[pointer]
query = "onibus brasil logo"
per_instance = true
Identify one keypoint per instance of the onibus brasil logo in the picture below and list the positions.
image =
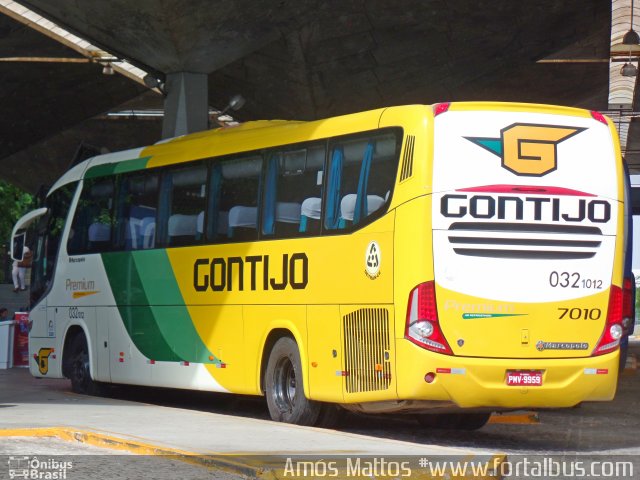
(527, 149)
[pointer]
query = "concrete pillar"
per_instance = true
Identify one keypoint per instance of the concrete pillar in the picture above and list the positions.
(186, 107)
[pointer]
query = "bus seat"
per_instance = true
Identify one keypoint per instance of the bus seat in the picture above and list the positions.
(148, 232)
(132, 233)
(288, 212)
(310, 208)
(374, 202)
(99, 232)
(223, 223)
(241, 216)
(182, 229)
(348, 205)
(200, 223)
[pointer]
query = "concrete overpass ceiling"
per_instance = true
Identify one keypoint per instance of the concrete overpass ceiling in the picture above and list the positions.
(178, 35)
(360, 55)
(42, 99)
(310, 59)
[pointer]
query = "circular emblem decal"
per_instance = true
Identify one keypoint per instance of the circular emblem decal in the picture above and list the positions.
(372, 260)
(540, 345)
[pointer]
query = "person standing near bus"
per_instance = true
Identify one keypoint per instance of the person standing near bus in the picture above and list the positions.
(20, 270)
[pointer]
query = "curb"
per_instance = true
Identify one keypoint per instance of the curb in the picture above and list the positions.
(139, 448)
(265, 471)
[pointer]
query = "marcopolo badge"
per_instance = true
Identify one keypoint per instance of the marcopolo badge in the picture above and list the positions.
(372, 260)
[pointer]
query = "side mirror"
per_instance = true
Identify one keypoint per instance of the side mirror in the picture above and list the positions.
(18, 239)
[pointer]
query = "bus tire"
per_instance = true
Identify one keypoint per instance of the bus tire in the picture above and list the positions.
(284, 388)
(331, 416)
(79, 368)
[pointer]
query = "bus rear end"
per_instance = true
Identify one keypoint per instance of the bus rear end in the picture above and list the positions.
(526, 303)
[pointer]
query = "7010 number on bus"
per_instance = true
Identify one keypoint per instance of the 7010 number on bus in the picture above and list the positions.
(580, 313)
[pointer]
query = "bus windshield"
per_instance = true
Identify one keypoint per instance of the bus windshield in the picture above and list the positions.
(47, 242)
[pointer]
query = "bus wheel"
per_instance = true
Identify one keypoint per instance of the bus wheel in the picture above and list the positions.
(78, 369)
(284, 389)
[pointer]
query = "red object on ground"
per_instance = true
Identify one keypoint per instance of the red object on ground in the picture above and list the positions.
(21, 340)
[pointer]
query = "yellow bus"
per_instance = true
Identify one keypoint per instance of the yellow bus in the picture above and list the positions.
(441, 261)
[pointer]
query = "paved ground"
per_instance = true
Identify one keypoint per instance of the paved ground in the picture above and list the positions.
(175, 425)
(29, 402)
(213, 423)
(85, 462)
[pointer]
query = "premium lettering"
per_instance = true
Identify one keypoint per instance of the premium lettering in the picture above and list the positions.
(252, 272)
(537, 208)
(74, 285)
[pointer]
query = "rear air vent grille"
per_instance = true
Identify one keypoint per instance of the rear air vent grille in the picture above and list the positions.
(366, 344)
(524, 240)
(407, 160)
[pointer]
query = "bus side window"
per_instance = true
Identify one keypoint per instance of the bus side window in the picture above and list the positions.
(136, 211)
(91, 227)
(291, 181)
(232, 211)
(361, 174)
(182, 200)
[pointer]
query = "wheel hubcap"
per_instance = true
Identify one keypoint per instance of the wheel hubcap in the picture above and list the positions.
(285, 385)
(81, 368)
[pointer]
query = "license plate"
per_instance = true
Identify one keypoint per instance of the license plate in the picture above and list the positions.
(524, 378)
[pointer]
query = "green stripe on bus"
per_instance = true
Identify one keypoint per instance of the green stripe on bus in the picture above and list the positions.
(125, 166)
(100, 171)
(160, 285)
(132, 165)
(142, 326)
(132, 302)
(178, 330)
(161, 288)
(150, 301)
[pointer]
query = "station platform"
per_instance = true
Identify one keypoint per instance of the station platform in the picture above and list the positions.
(43, 408)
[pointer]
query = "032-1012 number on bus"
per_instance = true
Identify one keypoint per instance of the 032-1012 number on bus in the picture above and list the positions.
(573, 280)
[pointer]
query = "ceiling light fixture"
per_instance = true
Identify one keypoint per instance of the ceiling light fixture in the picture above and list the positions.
(629, 70)
(631, 37)
(107, 69)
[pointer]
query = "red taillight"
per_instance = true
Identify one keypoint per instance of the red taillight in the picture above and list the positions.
(440, 108)
(610, 338)
(599, 117)
(423, 327)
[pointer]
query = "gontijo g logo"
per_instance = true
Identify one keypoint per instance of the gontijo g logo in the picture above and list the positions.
(528, 149)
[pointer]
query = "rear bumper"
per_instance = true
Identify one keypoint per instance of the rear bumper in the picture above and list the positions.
(481, 382)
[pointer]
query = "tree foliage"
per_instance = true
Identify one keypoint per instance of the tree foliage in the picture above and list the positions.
(14, 203)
